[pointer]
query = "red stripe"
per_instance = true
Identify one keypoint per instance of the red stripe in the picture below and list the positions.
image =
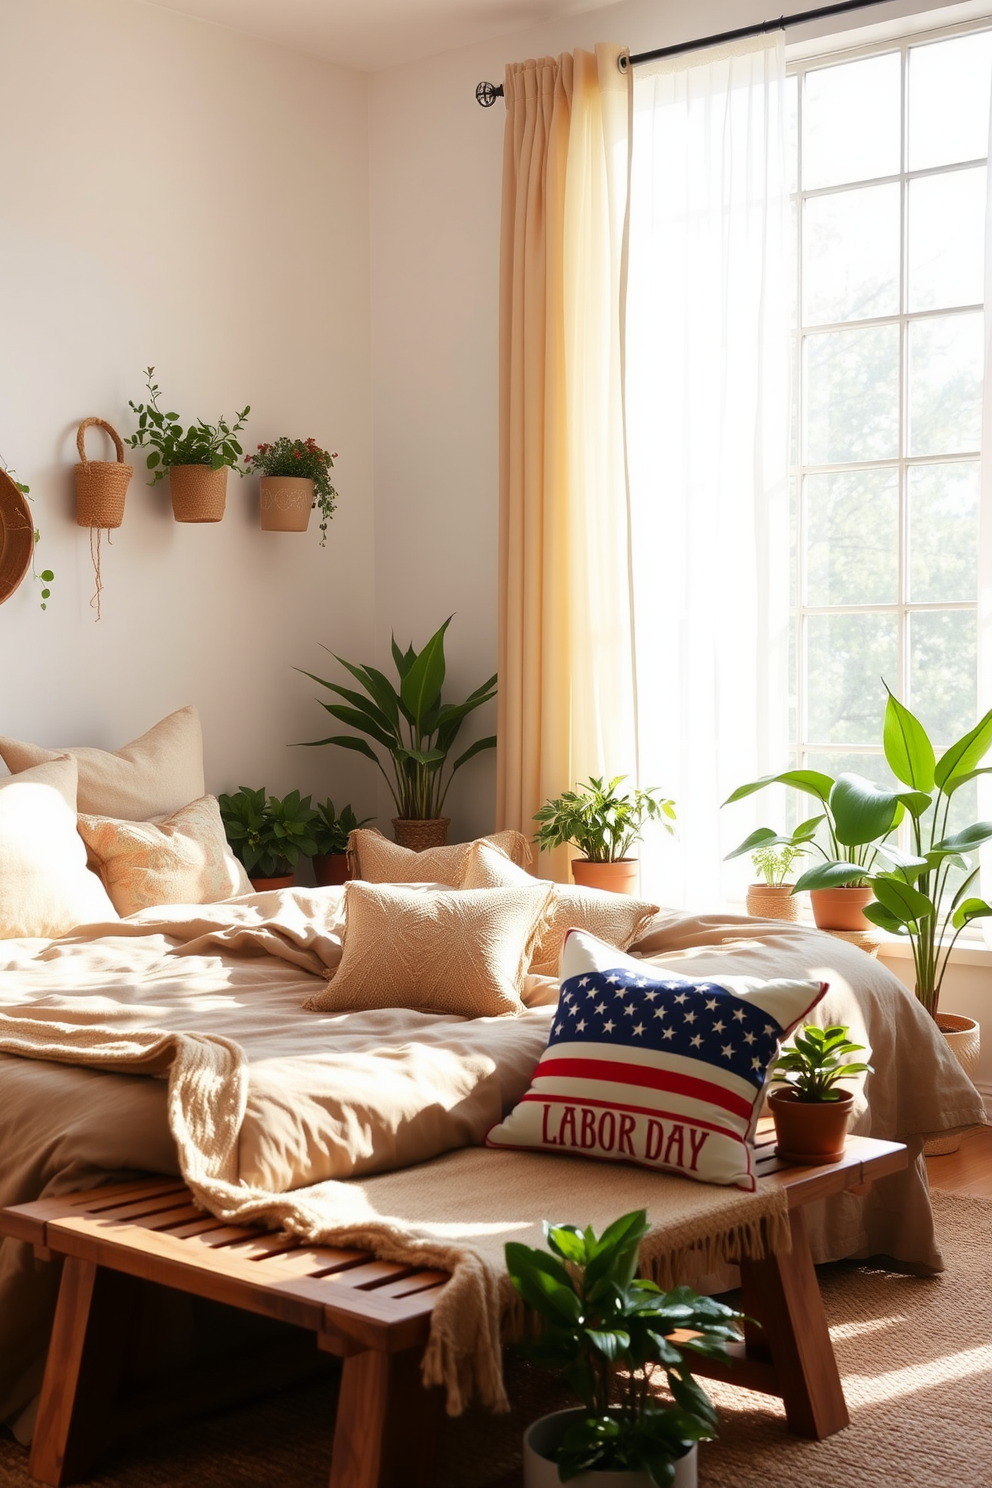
(679, 1116)
(690, 1086)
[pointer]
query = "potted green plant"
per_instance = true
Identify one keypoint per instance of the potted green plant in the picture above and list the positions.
(416, 730)
(268, 835)
(603, 824)
(611, 1333)
(196, 459)
(18, 538)
(294, 480)
(810, 1111)
(772, 898)
(330, 830)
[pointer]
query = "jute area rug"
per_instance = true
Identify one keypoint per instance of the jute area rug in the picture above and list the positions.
(915, 1356)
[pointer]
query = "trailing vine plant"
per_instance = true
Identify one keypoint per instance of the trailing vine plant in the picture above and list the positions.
(46, 577)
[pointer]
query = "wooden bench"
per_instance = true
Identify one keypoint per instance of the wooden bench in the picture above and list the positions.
(375, 1315)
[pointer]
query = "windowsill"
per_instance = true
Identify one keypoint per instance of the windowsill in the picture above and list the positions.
(965, 953)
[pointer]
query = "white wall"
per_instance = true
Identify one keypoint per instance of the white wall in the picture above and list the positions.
(177, 194)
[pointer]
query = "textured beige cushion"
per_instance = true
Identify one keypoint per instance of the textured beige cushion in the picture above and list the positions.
(378, 860)
(182, 860)
(46, 888)
(616, 918)
(461, 951)
(151, 776)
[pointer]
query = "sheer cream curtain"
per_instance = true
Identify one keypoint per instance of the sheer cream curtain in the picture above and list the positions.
(566, 697)
(985, 558)
(707, 424)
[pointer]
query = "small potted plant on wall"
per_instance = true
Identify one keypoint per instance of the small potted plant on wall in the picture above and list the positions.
(611, 1333)
(294, 480)
(330, 830)
(268, 835)
(196, 459)
(810, 1112)
(604, 825)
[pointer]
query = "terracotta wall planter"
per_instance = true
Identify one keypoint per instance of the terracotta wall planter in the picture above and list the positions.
(199, 494)
(286, 502)
(330, 869)
(618, 878)
(772, 902)
(841, 909)
(419, 835)
(809, 1132)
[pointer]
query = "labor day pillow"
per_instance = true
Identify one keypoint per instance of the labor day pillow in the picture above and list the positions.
(653, 1068)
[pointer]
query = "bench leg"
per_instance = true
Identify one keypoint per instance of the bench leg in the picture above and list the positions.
(387, 1423)
(782, 1292)
(82, 1372)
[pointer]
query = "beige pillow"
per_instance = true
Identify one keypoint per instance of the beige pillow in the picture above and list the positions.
(182, 860)
(377, 860)
(46, 888)
(461, 951)
(151, 776)
(616, 918)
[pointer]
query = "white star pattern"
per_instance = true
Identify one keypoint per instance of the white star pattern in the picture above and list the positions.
(696, 1040)
(689, 1017)
(719, 1026)
(580, 1026)
(583, 981)
(566, 997)
(756, 1064)
(612, 978)
(739, 1014)
(642, 983)
(681, 997)
(659, 1012)
(609, 1026)
(650, 996)
(727, 1050)
(558, 1027)
(769, 1029)
(620, 992)
(638, 1030)
(629, 1009)
(749, 1038)
(711, 1004)
(600, 1007)
(668, 1033)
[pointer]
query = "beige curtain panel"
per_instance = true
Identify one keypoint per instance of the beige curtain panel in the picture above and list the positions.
(566, 699)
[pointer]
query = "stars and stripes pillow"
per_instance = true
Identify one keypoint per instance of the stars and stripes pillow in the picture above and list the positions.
(649, 1067)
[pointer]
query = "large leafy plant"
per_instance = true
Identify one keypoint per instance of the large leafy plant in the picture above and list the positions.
(600, 821)
(170, 444)
(610, 1332)
(411, 723)
(330, 829)
(815, 1059)
(268, 834)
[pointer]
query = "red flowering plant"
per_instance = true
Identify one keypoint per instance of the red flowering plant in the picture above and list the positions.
(305, 459)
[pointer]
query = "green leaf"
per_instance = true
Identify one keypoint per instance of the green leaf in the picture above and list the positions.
(420, 689)
(901, 899)
(907, 748)
(345, 741)
(829, 876)
(971, 909)
(862, 812)
(361, 722)
(480, 744)
(962, 757)
(811, 781)
(915, 802)
(966, 839)
(760, 837)
(567, 1242)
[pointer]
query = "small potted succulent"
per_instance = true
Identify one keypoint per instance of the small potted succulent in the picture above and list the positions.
(604, 825)
(612, 1334)
(771, 898)
(810, 1111)
(294, 480)
(196, 459)
(330, 830)
(268, 835)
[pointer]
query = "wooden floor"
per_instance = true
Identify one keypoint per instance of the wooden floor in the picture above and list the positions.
(967, 1171)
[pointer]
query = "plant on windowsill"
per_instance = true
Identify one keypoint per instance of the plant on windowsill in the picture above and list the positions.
(294, 480)
(195, 459)
(810, 1111)
(610, 1332)
(416, 729)
(772, 898)
(330, 830)
(268, 835)
(604, 825)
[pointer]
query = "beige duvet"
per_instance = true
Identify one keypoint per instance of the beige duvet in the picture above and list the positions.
(330, 1096)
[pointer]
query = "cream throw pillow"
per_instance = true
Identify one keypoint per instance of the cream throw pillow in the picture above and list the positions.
(183, 860)
(377, 860)
(46, 888)
(460, 951)
(151, 776)
(618, 919)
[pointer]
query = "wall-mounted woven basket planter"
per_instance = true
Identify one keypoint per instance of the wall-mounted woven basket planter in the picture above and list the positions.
(101, 485)
(286, 502)
(16, 536)
(199, 494)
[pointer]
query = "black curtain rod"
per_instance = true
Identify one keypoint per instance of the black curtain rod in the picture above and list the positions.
(487, 93)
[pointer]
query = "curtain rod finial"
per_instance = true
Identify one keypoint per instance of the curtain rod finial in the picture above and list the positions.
(486, 94)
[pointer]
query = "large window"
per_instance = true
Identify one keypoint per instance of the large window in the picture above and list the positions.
(890, 152)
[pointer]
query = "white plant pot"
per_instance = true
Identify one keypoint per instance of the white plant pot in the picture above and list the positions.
(541, 1470)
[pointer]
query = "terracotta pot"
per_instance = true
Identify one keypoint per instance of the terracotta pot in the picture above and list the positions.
(841, 909)
(810, 1133)
(618, 878)
(330, 869)
(263, 885)
(419, 835)
(286, 502)
(541, 1441)
(199, 494)
(964, 1039)
(772, 902)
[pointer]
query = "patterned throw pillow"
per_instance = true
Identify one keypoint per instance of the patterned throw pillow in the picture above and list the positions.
(377, 860)
(461, 951)
(183, 860)
(618, 919)
(648, 1067)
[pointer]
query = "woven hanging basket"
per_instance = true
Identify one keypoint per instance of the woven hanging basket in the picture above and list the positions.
(101, 485)
(199, 494)
(420, 835)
